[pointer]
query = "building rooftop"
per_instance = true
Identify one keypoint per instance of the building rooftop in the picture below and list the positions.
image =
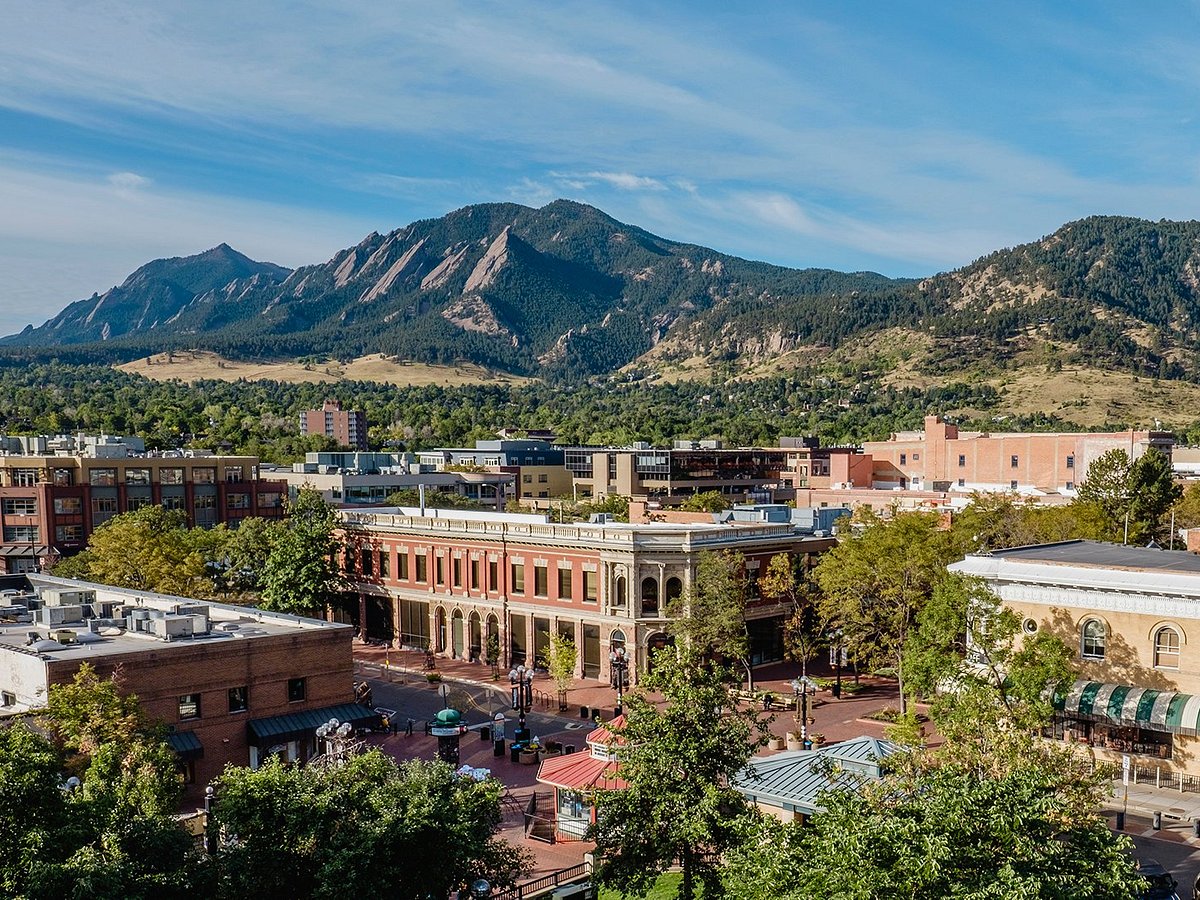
(58, 618)
(1101, 555)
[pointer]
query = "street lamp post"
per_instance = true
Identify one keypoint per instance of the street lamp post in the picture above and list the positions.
(835, 659)
(618, 665)
(802, 687)
(521, 681)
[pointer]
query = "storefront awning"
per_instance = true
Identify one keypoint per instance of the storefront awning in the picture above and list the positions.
(1123, 704)
(186, 744)
(274, 729)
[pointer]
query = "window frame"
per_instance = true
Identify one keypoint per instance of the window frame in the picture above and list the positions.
(1092, 646)
(245, 699)
(192, 701)
(297, 689)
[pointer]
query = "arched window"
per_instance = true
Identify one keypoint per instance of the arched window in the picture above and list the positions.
(674, 589)
(1094, 637)
(649, 597)
(619, 592)
(1166, 648)
(616, 639)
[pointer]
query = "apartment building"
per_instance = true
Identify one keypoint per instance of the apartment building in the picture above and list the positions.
(232, 684)
(346, 426)
(535, 465)
(642, 472)
(52, 500)
(1132, 617)
(449, 579)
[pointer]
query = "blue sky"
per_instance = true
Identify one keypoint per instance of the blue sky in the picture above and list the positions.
(902, 138)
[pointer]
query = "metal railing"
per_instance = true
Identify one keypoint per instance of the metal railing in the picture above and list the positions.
(546, 883)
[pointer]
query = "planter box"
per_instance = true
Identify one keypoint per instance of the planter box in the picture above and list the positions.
(775, 744)
(794, 743)
(529, 757)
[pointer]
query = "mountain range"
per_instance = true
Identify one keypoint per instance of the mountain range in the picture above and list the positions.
(566, 291)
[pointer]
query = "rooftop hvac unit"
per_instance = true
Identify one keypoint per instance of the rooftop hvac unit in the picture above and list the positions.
(172, 627)
(62, 597)
(59, 615)
(600, 518)
(63, 636)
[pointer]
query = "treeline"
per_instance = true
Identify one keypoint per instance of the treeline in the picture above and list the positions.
(261, 417)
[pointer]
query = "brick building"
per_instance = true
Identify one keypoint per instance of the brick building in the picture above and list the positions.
(448, 579)
(234, 685)
(51, 502)
(346, 426)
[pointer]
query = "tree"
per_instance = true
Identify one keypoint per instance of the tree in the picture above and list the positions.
(802, 630)
(677, 757)
(710, 615)
(1154, 491)
(706, 501)
(947, 830)
(114, 836)
(150, 549)
(877, 580)
(1106, 485)
(969, 655)
(239, 555)
(559, 658)
(302, 574)
(366, 828)
(1187, 509)
(435, 499)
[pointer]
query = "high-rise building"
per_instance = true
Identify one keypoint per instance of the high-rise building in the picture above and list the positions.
(346, 426)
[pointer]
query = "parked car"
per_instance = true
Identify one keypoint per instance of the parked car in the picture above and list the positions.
(1162, 883)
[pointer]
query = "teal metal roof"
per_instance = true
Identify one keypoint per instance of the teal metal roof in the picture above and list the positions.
(304, 722)
(186, 744)
(795, 779)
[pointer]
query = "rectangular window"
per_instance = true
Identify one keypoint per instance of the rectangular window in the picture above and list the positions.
(239, 699)
(270, 500)
(422, 568)
(385, 564)
(962, 482)
(1070, 462)
(233, 475)
(63, 477)
(64, 534)
(137, 476)
(204, 475)
(543, 478)
(526, 479)
(962, 460)
(474, 574)
(68, 506)
(172, 502)
(916, 456)
(566, 584)
(20, 506)
(518, 578)
(205, 501)
(541, 581)
(24, 477)
(591, 587)
(1013, 462)
(189, 706)
(493, 575)
(1012, 485)
(170, 476)
(904, 459)
(439, 564)
(402, 565)
(237, 501)
(367, 561)
(297, 690)
(8, 699)
(102, 477)
(20, 534)
(135, 503)
(103, 505)
(456, 571)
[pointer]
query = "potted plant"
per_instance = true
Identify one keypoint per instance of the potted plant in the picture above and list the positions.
(795, 740)
(775, 743)
(817, 738)
(553, 748)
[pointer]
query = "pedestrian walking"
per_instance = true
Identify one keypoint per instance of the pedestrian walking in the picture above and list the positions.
(408, 728)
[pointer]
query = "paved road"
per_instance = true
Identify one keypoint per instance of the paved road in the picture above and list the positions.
(1180, 858)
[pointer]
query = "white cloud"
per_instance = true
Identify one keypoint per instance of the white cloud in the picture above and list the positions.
(627, 181)
(127, 181)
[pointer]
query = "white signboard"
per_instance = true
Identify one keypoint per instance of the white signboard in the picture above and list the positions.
(1125, 769)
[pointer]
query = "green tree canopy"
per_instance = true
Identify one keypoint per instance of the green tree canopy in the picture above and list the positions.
(677, 757)
(434, 499)
(877, 580)
(706, 501)
(302, 574)
(710, 616)
(368, 828)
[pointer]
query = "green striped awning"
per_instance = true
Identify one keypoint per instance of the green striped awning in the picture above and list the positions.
(1124, 704)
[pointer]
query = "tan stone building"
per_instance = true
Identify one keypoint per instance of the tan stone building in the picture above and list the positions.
(1132, 616)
